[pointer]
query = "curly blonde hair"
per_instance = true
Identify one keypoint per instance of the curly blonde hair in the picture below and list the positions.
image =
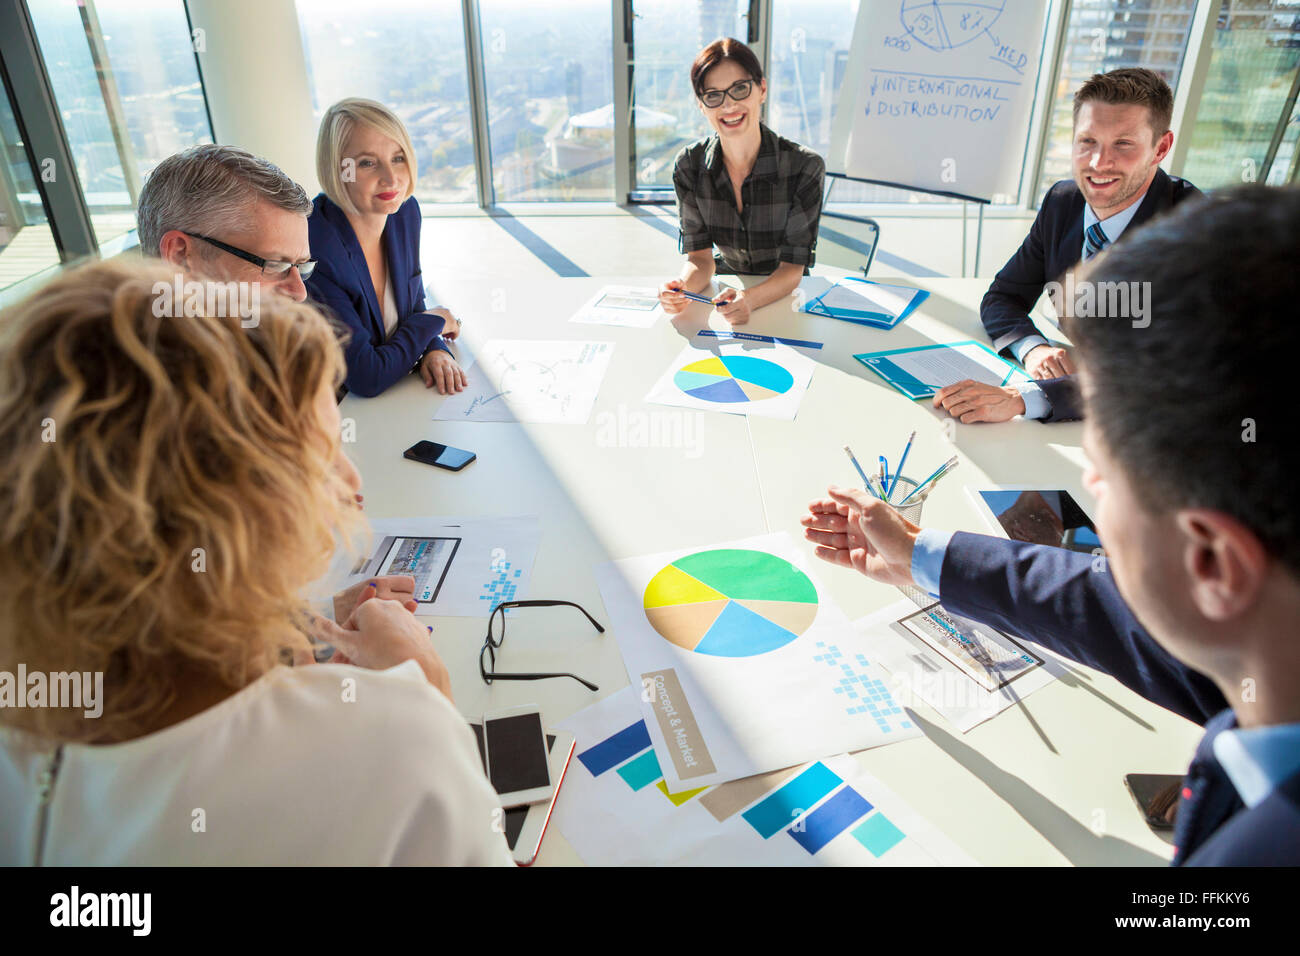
(130, 440)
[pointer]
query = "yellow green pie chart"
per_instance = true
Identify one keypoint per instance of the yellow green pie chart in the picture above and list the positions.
(730, 602)
(733, 378)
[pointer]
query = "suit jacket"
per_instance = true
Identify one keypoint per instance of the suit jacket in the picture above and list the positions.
(1055, 598)
(341, 283)
(1054, 246)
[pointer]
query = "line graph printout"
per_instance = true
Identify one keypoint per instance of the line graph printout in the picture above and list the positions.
(965, 670)
(541, 382)
(628, 306)
(984, 654)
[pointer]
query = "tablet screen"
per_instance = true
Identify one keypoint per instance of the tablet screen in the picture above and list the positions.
(1043, 517)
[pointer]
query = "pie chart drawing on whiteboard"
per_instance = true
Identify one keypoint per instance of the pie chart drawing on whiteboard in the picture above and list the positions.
(733, 378)
(730, 602)
(948, 24)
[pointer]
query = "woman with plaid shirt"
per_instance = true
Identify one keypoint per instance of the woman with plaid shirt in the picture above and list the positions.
(755, 195)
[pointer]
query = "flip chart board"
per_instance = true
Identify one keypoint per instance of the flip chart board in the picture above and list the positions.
(938, 94)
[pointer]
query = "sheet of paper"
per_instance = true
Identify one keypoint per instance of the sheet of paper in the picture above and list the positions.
(530, 381)
(463, 567)
(736, 376)
(966, 671)
(939, 368)
(627, 306)
(750, 667)
(615, 808)
(869, 297)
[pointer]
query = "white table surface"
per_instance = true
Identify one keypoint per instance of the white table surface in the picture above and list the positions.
(1041, 783)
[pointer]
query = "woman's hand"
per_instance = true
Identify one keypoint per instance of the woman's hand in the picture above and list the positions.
(440, 369)
(388, 587)
(671, 298)
(450, 324)
(382, 634)
(732, 306)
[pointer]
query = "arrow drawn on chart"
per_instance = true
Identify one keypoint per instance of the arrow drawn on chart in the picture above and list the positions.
(480, 402)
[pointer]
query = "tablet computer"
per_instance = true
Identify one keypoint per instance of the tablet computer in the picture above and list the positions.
(1048, 516)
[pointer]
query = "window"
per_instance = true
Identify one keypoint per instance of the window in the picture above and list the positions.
(668, 36)
(810, 47)
(1105, 35)
(26, 241)
(548, 69)
(128, 91)
(1248, 99)
(411, 59)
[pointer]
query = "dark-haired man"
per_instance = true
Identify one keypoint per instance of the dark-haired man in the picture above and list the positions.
(1121, 135)
(1190, 450)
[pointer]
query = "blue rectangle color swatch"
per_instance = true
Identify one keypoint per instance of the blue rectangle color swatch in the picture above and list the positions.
(779, 809)
(830, 819)
(642, 771)
(878, 834)
(612, 751)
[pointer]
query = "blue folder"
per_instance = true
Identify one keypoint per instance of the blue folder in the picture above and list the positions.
(869, 313)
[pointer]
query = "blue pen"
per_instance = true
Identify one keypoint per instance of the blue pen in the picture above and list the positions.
(884, 475)
(696, 298)
(901, 462)
(865, 480)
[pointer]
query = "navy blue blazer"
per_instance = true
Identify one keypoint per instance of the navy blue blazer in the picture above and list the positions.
(1053, 247)
(341, 283)
(1053, 597)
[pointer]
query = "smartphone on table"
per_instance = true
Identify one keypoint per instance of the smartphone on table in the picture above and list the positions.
(1155, 794)
(439, 455)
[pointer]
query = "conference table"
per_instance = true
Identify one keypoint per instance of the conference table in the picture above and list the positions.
(1039, 784)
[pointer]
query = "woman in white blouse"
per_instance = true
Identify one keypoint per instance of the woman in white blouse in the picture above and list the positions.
(170, 485)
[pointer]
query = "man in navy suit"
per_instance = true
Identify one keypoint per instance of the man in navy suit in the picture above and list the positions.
(1190, 445)
(1121, 135)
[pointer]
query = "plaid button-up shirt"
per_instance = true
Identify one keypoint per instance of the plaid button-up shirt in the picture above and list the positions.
(782, 199)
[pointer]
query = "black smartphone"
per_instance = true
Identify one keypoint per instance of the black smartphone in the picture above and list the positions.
(440, 456)
(1155, 794)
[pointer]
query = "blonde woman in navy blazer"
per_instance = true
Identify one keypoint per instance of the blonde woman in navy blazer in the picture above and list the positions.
(365, 235)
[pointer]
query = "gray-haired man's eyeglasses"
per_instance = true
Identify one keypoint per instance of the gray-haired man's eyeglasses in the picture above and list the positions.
(271, 268)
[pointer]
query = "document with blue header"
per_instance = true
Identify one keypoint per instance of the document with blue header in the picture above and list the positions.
(920, 372)
(866, 302)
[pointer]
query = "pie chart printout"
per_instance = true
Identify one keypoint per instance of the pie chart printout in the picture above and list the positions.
(730, 602)
(733, 378)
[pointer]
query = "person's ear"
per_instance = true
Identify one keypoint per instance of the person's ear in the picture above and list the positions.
(1226, 564)
(1165, 144)
(177, 248)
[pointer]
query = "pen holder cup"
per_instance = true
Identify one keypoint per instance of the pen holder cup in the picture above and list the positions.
(912, 512)
(903, 487)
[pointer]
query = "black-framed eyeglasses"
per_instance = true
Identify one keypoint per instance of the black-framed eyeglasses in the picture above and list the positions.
(738, 91)
(487, 658)
(271, 268)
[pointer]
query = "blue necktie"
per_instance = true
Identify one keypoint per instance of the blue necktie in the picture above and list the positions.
(1094, 240)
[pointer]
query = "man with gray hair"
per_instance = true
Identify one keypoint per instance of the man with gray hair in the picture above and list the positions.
(221, 212)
